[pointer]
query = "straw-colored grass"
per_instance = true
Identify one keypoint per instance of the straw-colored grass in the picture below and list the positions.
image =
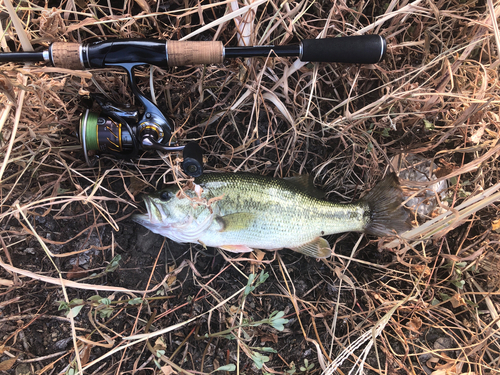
(426, 303)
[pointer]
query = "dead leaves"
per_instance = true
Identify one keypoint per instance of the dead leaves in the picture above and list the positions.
(450, 367)
(457, 300)
(414, 324)
(7, 365)
(495, 225)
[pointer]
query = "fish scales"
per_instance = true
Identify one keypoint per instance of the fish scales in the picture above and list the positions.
(251, 211)
(282, 210)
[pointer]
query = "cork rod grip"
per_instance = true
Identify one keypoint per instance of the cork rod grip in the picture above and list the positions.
(66, 55)
(194, 53)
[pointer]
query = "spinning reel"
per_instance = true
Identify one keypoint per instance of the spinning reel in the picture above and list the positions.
(125, 132)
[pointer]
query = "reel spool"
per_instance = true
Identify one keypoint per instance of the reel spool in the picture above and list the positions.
(105, 134)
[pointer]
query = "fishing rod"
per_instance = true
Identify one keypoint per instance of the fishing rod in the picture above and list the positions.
(125, 131)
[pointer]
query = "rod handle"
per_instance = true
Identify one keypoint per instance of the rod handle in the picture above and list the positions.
(181, 53)
(66, 55)
(362, 49)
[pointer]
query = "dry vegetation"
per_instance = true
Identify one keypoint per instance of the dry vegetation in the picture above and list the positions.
(427, 304)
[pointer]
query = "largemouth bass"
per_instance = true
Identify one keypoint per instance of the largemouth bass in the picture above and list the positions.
(240, 212)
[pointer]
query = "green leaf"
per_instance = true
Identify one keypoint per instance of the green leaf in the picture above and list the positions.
(276, 320)
(251, 278)
(470, 303)
(263, 277)
(229, 367)
(267, 349)
(76, 301)
(248, 289)
(276, 314)
(444, 296)
(369, 148)
(458, 283)
(307, 366)
(279, 324)
(63, 306)
(113, 265)
(259, 359)
(428, 125)
(74, 311)
(157, 363)
(246, 335)
(135, 301)
(96, 298)
(106, 312)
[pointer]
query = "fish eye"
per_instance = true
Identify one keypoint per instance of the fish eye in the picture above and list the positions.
(165, 196)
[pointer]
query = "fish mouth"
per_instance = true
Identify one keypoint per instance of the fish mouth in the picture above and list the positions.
(154, 215)
(141, 218)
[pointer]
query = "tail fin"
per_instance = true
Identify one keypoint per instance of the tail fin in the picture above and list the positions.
(387, 215)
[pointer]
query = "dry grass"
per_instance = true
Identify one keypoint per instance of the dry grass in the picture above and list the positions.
(426, 304)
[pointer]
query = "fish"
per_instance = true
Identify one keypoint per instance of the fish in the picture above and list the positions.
(240, 212)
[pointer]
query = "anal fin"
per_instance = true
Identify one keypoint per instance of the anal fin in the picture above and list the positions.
(317, 248)
(236, 248)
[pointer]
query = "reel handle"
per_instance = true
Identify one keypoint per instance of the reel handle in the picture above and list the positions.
(193, 159)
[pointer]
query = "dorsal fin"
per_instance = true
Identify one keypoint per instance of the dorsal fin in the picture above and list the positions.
(305, 183)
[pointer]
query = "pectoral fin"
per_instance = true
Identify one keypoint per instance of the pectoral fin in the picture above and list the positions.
(236, 248)
(317, 248)
(236, 221)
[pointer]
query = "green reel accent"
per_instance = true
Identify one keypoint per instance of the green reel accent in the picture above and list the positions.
(88, 130)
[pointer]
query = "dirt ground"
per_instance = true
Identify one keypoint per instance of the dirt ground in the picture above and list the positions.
(84, 288)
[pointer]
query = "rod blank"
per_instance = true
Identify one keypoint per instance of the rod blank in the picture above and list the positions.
(21, 57)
